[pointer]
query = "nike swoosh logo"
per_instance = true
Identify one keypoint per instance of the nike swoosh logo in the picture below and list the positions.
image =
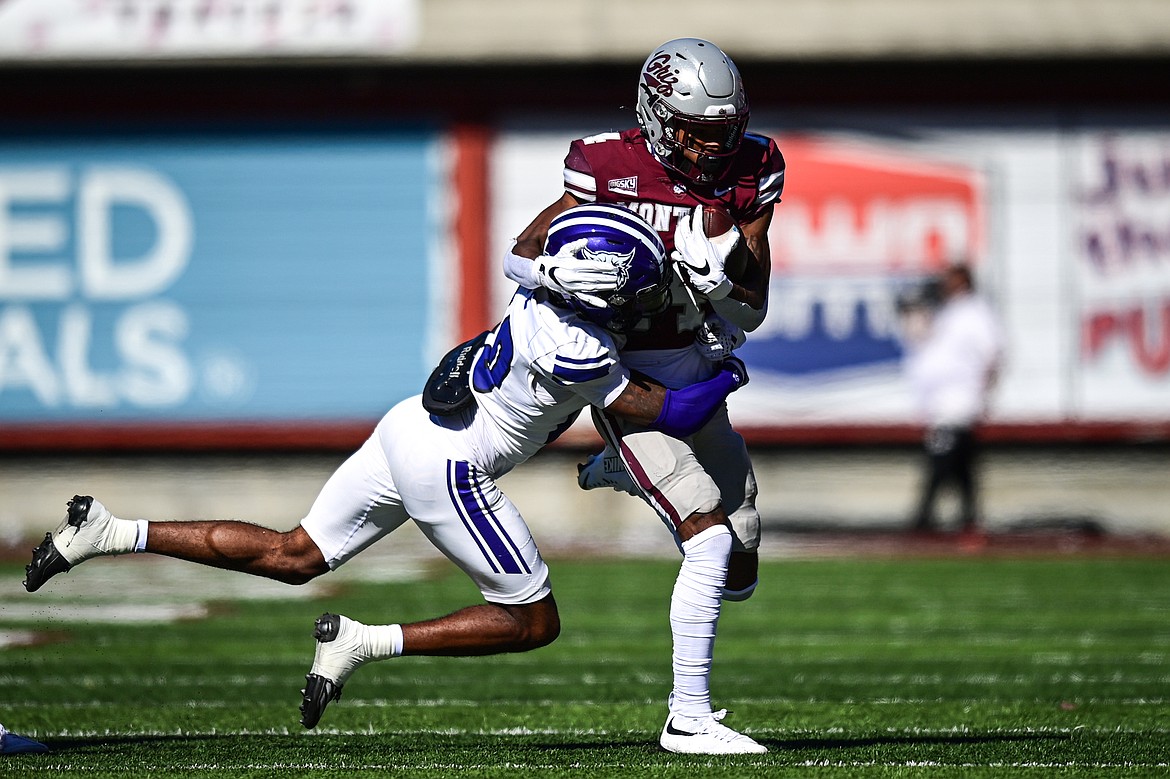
(702, 270)
(672, 730)
(722, 192)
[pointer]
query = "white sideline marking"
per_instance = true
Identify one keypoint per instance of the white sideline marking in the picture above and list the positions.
(16, 638)
(104, 612)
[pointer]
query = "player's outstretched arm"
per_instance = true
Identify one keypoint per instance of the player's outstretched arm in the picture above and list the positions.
(678, 413)
(526, 264)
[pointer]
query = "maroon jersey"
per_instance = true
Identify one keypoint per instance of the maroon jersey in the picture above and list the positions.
(619, 168)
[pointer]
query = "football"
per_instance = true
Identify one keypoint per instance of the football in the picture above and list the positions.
(717, 222)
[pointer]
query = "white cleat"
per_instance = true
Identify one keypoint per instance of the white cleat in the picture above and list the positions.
(706, 737)
(605, 469)
(339, 653)
(88, 530)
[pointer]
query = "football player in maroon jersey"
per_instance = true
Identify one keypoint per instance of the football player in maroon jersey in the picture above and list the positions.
(690, 150)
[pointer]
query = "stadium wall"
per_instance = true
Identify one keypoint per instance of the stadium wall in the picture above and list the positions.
(215, 259)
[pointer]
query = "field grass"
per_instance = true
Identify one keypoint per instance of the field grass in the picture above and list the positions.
(965, 667)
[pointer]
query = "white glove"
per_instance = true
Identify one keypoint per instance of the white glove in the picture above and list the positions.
(700, 258)
(717, 338)
(580, 277)
(605, 469)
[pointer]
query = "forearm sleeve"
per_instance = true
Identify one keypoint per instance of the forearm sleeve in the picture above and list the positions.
(520, 269)
(686, 410)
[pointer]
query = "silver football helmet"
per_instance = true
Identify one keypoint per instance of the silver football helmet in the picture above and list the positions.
(691, 99)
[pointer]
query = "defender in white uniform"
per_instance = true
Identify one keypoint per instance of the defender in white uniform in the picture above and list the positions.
(549, 357)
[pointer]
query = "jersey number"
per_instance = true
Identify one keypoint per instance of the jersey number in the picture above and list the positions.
(495, 361)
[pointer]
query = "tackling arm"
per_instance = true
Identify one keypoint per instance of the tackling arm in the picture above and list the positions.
(678, 413)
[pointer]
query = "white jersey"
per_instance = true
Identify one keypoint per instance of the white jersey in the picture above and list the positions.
(538, 369)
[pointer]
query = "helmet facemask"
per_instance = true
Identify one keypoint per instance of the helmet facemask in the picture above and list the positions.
(699, 147)
(628, 311)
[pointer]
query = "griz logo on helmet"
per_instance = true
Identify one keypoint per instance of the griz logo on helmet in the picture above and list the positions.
(658, 75)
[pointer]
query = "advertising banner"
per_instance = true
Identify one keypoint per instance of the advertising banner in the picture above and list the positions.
(201, 29)
(1065, 228)
(1121, 208)
(216, 277)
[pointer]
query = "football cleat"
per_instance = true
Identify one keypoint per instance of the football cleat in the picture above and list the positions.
(706, 737)
(339, 653)
(605, 469)
(85, 532)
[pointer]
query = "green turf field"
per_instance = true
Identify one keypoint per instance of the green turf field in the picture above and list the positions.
(908, 667)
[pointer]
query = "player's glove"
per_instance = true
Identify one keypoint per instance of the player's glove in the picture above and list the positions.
(717, 338)
(605, 469)
(702, 259)
(736, 368)
(575, 276)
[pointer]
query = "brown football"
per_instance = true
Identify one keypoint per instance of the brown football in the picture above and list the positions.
(717, 221)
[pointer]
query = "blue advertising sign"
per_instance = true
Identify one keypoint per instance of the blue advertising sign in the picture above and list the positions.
(220, 277)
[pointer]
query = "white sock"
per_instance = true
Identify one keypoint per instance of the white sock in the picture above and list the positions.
(694, 615)
(120, 537)
(140, 540)
(382, 642)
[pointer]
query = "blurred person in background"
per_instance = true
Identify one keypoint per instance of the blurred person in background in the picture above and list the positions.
(491, 404)
(690, 150)
(954, 350)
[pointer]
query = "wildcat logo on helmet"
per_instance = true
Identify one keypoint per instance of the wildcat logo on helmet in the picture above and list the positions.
(621, 263)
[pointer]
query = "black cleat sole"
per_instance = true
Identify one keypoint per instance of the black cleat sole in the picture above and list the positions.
(318, 694)
(46, 563)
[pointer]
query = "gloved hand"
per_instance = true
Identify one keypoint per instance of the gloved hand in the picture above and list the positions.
(736, 368)
(717, 338)
(576, 276)
(605, 469)
(701, 259)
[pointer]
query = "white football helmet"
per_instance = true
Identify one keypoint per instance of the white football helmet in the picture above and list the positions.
(691, 98)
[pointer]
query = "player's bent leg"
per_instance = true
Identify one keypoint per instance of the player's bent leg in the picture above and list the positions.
(88, 530)
(486, 629)
(723, 455)
(344, 645)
